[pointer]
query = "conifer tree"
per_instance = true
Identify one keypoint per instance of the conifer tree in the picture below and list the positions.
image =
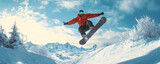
(15, 38)
(3, 37)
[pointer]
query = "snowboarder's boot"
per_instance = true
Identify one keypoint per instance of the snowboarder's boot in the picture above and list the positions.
(84, 37)
(90, 24)
(91, 27)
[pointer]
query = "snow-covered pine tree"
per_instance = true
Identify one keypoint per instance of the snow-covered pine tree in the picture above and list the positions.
(3, 37)
(15, 40)
(1, 32)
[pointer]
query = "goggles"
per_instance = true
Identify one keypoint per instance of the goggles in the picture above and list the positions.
(80, 12)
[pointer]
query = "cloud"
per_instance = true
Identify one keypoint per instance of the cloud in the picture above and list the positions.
(129, 6)
(30, 23)
(68, 4)
(16, 0)
(25, 2)
(113, 17)
(56, 21)
(123, 28)
(109, 34)
(41, 7)
(57, 10)
(60, 4)
(43, 4)
(33, 24)
(104, 37)
(95, 2)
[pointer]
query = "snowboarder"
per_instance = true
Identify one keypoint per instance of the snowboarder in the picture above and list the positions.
(84, 23)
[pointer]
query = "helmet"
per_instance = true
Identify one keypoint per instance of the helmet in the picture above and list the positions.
(81, 11)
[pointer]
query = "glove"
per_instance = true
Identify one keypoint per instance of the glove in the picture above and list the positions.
(102, 13)
(65, 23)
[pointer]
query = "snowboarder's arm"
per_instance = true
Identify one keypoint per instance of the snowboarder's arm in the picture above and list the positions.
(73, 21)
(65, 23)
(94, 15)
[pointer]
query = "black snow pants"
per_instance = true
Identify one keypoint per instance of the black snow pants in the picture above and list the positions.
(85, 27)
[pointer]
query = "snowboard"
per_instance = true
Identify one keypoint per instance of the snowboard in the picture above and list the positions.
(93, 30)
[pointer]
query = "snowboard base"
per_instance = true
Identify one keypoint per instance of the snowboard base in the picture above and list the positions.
(95, 28)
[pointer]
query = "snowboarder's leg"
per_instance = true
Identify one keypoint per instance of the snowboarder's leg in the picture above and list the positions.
(83, 29)
(89, 24)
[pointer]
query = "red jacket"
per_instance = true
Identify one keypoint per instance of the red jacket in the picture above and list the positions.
(82, 19)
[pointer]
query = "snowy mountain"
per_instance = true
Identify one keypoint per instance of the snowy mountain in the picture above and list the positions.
(22, 56)
(62, 53)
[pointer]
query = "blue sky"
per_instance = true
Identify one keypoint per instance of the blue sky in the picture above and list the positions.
(51, 14)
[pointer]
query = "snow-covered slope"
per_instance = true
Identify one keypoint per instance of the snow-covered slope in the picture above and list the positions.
(22, 56)
(125, 53)
(141, 45)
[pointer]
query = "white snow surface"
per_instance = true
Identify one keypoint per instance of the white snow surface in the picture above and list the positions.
(126, 53)
(22, 56)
